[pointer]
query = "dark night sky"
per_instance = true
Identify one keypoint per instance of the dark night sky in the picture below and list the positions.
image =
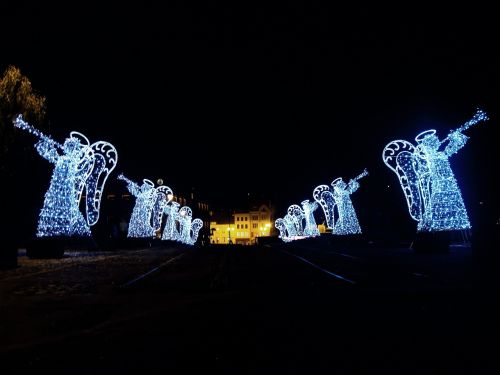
(284, 98)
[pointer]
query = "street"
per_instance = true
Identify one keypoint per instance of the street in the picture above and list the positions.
(280, 308)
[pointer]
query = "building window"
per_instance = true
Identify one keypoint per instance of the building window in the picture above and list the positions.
(254, 225)
(246, 226)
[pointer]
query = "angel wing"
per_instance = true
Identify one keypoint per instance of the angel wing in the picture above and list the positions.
(106, 157)
(324, 197)
(399, 156)
(196, 225)
(83, 170)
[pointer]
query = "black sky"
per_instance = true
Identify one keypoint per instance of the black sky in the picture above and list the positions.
(282, 98)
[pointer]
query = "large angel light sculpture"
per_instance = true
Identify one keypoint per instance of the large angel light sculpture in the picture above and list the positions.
(337, 200)
(142, 223)
(78, 164)
(429, 185)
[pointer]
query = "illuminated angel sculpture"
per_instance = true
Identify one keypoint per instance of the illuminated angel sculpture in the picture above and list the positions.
(185, 216)
(291, 228)
(347, 222)
(180, 225)
(297, 215)
(170, 232)
(337, 199)
(428, 182)
(188, 228)
(311, 228)
(141, 220)
(281, 226)
(287, 228)
(78, 164)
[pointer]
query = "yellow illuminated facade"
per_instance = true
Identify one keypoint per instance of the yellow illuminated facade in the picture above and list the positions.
(244, 229)
(322, 228)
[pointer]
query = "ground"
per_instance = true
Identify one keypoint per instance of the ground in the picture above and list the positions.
(297, 308)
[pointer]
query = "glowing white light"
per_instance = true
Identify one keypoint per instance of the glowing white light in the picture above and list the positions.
(429, 185)
(77, 165)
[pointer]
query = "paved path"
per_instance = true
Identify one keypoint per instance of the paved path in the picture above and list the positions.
(247, 310)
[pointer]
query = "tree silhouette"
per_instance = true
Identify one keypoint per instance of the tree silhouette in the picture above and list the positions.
(16, 96)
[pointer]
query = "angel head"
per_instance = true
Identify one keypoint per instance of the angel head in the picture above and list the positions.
(428, 139)
(338, 183)
(146, 185)
(71, 145)
(76, 142)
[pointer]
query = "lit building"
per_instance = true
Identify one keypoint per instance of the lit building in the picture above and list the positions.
(244, 228)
